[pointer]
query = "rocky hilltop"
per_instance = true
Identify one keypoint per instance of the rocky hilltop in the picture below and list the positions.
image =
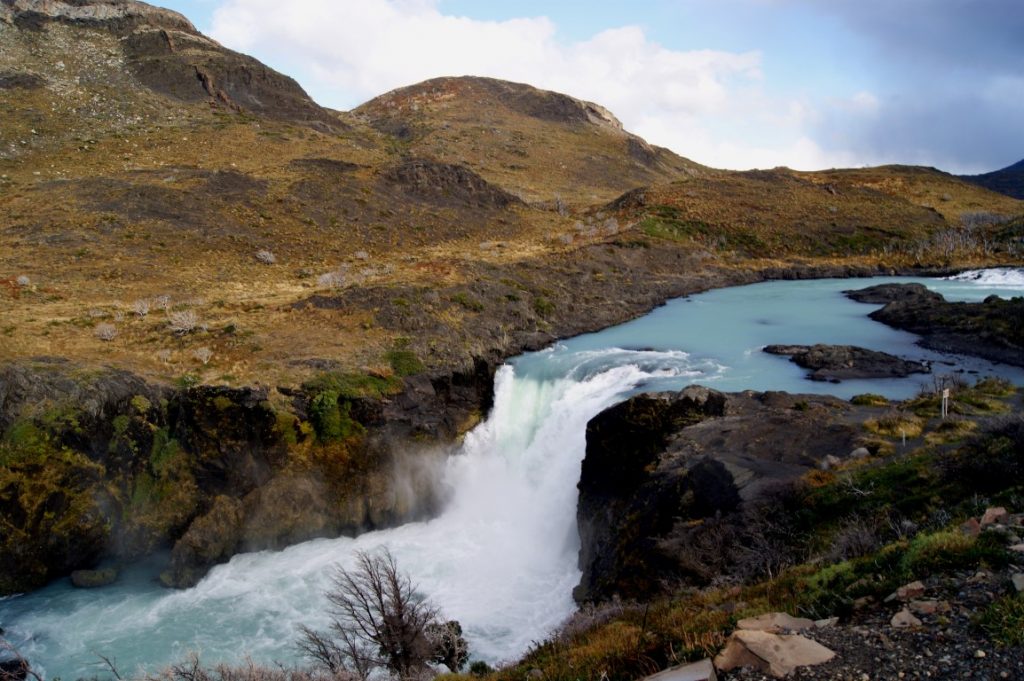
(197, 261)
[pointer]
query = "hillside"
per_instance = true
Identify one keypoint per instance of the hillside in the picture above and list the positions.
(1008, 180)
(154, 166)
(543, 146)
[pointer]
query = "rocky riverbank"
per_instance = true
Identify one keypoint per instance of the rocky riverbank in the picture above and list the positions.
(993, 329)
(101, 466)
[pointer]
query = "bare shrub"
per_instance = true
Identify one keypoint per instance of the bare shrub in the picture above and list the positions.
(361, 255)
(96, 313)
(162, 302)
(164, 356)
(183, 322)
(266, 257)
(380, 622)
(23, 280)
(857, 537)
(193, 670)
(204, 355)
(141, 307)
(119, 316)
(335, 279)
(105, 332)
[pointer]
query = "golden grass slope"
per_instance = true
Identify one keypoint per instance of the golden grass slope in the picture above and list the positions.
(422, 217)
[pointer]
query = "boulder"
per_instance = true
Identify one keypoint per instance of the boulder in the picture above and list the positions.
(928, 607)
(887, 293)
(904, 619)
(1018, 581)
(695, 671)
(775, 654)
(907, 592)
(993, 515)
(775, 622)
(90, 579)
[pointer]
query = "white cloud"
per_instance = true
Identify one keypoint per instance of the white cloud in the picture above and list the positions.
(704, 104)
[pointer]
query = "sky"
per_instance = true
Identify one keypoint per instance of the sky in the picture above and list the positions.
(739, 84)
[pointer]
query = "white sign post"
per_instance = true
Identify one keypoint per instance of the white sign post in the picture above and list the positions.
(945, 402)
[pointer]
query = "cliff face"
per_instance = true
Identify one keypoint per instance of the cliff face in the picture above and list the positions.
(100, 465)
(674, 487)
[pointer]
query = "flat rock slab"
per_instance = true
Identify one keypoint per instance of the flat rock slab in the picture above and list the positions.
(839, 362)
(775, 654)
(696, 671)
(775, 622)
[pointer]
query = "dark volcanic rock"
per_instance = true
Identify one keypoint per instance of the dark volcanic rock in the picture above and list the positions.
(841, 362)
(887, 293)
(664, 472)
(993, 329)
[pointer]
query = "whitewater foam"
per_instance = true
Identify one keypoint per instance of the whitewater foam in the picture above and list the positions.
(1000, 277)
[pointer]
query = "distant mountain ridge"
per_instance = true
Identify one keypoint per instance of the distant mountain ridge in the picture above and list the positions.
(1008, 180)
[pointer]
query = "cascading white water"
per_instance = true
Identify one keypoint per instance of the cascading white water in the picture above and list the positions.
(501, 557)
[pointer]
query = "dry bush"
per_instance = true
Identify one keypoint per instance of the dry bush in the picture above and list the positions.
(164, 356)
(857, 537)
(105, 332)
(380, 622)
(23, 280)
(193, 670)
(204, 355)
(162, 302)
(266, 257)
(183, 322)
(333, 280)
(141, 307)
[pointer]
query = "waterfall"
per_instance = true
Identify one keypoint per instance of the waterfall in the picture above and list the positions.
(500, 558)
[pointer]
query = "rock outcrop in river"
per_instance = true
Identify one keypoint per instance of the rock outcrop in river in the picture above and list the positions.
(993, 329)
(842, 362)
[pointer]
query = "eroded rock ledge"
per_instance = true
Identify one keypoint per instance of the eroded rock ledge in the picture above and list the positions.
(665, 472)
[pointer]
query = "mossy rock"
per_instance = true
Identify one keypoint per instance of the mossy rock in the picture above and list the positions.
(92, 579)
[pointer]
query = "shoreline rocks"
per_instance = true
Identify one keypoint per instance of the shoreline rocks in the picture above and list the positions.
(992, 329)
